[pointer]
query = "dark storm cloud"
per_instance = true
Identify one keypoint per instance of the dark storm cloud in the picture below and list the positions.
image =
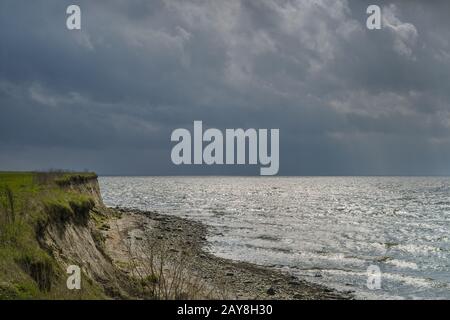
(347, 100)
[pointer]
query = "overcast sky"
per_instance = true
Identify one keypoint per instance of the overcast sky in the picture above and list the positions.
(347, 100)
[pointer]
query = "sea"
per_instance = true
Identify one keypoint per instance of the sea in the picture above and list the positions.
(379, 237)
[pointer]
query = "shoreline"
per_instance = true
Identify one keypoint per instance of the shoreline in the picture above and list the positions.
(168, 254)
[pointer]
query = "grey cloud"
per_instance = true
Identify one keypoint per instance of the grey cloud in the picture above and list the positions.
(347, 100)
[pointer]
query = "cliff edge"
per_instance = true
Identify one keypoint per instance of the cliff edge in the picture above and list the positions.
(48, 222)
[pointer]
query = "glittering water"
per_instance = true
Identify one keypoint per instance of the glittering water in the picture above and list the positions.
(325, 229)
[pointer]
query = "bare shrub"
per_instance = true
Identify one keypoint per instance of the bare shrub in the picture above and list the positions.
(163, 273)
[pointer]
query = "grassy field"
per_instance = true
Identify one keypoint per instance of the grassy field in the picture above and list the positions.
(28, 202)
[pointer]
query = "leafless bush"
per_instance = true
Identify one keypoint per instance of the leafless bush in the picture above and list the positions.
(163, 273)
(167, 275)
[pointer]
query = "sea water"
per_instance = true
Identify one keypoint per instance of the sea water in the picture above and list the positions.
(327, 230)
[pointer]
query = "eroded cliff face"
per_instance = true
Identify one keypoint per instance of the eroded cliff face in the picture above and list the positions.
(79, 241)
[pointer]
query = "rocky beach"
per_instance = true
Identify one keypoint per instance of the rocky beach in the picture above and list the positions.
(135, 236)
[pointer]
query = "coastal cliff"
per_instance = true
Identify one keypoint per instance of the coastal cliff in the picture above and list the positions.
(50, 221)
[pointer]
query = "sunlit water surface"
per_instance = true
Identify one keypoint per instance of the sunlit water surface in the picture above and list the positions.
(325, 229)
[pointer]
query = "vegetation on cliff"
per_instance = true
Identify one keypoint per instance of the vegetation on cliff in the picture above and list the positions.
(29, 202)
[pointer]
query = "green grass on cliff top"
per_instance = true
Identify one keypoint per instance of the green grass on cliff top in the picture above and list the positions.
(29, 201)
